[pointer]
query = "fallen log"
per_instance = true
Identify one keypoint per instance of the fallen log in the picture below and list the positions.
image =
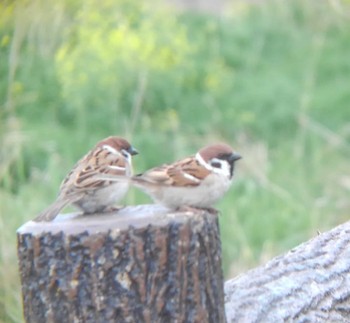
(310, 283)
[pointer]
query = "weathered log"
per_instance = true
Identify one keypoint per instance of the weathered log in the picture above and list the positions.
(310, 283)
(142, 264)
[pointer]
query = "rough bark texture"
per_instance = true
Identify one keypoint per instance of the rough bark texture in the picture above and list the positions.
(310, 283)
(139, 265)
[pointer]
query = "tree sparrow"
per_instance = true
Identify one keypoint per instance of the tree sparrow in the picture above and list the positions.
(197, 181)
(83, 188)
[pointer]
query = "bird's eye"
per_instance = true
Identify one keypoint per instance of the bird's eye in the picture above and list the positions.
(216, 164)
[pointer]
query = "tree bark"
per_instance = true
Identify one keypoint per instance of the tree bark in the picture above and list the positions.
(310, 283)
(142, 264)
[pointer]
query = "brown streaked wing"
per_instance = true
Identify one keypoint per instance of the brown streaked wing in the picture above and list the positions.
(175, 174)
(100, 162)
(69, 181)
(156, 175)
(113, 165)
(190, 166)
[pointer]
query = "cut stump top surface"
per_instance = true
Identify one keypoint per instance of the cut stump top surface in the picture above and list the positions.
(135, 216)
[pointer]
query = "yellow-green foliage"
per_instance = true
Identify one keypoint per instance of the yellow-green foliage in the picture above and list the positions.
(109, 44)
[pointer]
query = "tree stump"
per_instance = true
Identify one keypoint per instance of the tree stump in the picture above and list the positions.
(142, 264)
(310, 283)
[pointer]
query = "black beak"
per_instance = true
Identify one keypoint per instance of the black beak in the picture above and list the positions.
(234, 157)
(132, 151)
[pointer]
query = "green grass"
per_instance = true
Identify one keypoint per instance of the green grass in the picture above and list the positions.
(270, 79)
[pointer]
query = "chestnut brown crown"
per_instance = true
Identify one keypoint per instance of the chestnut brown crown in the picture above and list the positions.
(119, 144)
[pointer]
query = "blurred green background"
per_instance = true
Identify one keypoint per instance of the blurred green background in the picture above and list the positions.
(271, 78)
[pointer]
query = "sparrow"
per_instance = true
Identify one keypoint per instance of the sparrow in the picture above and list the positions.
(82, 186)
(197, 181)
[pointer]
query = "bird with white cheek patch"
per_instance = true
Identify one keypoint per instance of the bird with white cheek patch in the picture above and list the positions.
(83, 188)
(196, 181)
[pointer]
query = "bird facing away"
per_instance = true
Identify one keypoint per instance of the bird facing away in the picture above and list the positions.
(82, 186)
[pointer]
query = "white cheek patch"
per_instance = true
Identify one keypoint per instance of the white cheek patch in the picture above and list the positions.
(111, 149)
(224, 168)
(128, 156)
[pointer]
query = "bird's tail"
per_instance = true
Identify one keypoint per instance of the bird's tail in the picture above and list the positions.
(52, 211)
(136, 180)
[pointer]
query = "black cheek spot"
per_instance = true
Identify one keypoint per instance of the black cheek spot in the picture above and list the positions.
(217, 165)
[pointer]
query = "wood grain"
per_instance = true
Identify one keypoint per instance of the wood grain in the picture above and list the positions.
(310, 283)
